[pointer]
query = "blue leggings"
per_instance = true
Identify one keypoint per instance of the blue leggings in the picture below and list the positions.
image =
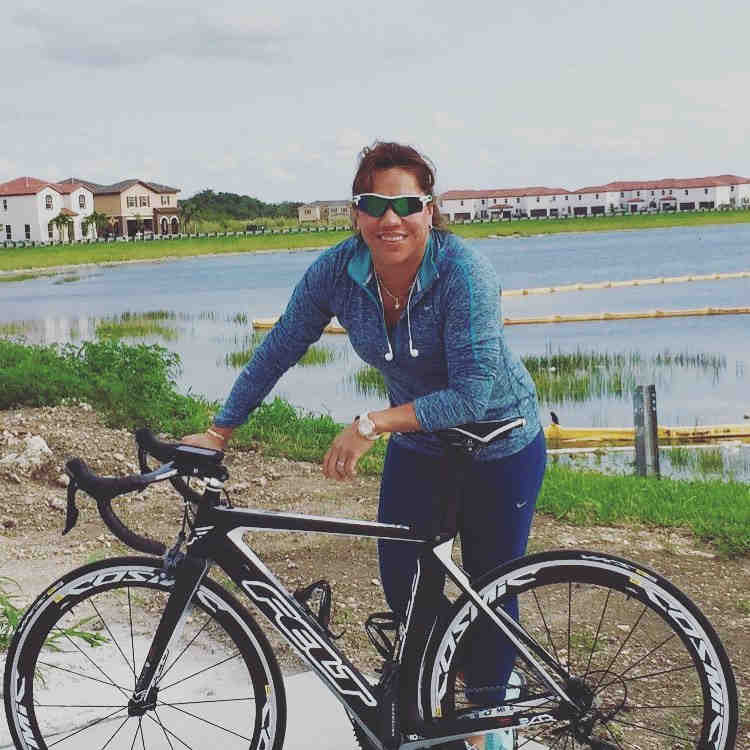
(499, 498)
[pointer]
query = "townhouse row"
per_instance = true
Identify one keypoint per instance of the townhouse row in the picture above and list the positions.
(30, 207)
(689, 194)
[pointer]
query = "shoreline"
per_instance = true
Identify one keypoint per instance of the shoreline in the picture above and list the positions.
(456, 229)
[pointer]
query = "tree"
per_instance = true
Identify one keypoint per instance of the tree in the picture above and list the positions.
(98, 220)
(189, 214)
(62, 222)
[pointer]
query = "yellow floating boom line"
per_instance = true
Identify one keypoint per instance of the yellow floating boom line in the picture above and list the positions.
(582, 286)
(558, 436)
(335, 327)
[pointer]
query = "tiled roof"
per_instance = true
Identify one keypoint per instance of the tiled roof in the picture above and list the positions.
(617, 186)
(452, 195)
(27, 186)
(118, 187)
(67, 212)
(32, 185)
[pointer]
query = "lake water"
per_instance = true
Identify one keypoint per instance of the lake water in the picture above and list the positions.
(211, 297)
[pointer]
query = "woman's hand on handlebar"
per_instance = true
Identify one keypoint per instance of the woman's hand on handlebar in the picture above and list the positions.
(340, 461)
(214, 438)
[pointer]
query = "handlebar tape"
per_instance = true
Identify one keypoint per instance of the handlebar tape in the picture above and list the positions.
(103, 490)
(162, 451)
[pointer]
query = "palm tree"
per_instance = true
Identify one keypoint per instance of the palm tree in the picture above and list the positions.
(189, 214)
(98, 219)
(62, 222)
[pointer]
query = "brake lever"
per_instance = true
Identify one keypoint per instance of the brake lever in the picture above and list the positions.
(71, 512)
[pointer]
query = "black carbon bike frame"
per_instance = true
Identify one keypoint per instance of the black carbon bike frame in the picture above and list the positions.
(217, 537)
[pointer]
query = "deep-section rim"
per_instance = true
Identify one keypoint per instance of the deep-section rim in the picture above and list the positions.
(644, 584)
(148, 572)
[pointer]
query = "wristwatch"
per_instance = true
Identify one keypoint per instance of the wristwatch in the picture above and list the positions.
(366, 427)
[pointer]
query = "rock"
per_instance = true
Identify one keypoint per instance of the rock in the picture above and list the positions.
(260, 481)
(35, 455)
(63, 480)
(9, 523)
(56, 503)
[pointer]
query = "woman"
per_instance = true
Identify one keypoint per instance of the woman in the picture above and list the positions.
(424, 309)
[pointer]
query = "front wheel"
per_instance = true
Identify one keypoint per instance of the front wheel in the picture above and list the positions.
(73, 662)
(642, 663)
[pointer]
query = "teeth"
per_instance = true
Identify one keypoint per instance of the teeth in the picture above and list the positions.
(392, 236)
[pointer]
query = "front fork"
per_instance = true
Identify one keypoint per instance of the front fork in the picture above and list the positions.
(188, 577)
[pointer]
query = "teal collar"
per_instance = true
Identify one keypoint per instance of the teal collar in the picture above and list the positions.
(360, 269)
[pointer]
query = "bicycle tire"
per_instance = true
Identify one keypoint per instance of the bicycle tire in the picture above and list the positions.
(73, 661)
(639, 651)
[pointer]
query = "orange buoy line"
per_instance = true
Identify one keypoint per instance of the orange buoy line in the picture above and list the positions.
(335, 327)
(582, 286)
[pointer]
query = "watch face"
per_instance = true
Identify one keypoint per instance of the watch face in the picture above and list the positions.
(365, 426)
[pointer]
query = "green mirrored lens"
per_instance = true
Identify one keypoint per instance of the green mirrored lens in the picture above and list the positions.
(373, 205)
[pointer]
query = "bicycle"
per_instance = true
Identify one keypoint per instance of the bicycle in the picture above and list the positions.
(152, 652)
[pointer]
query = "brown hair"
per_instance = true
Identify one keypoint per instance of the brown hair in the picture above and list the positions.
(385, 155)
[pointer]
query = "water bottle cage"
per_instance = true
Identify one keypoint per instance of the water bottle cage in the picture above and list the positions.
(382, 630)
(322, 589)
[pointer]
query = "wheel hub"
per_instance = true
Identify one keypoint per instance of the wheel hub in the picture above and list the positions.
(139, 706)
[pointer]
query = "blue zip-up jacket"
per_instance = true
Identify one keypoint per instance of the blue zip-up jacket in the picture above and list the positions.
(464, 371)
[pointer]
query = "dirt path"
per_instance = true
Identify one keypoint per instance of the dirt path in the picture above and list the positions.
(33, 553)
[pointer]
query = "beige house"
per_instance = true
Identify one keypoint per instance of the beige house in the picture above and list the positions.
(136, 205)
(326, 211)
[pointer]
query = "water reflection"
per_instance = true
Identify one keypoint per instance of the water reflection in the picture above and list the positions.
(725, 461)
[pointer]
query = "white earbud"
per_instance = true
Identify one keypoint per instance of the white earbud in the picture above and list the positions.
(414, 352)
(388, 356)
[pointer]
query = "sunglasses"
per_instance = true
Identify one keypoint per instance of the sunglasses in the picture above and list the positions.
(374, 204)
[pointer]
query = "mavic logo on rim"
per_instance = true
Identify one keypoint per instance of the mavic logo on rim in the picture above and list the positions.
(24, 725)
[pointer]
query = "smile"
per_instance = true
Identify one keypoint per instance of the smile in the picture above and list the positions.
(392, 237)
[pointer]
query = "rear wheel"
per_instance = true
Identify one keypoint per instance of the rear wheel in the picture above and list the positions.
(72, 666)
(645, 667)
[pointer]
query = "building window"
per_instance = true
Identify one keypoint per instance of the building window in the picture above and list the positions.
(537, 199)
(686, 192)
(462, 203)
(622, 195)
(27, 231)
(597, 196)
(143, 200)
(637, 193)
(483, 201)
(662, 192)
(731, 189)
(48, 202)
(579, 197)
(518, 200)
(5, 204)
(566, 197)
(705, 191)
(670, 191)
(49, 230)
(8, 233)
(81, 201)
(554, 197)
(652, 192)
(131, 201)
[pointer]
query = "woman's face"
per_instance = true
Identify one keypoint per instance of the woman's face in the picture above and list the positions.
(394, 240)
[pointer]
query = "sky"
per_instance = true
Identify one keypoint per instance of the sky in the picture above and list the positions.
(275, 100)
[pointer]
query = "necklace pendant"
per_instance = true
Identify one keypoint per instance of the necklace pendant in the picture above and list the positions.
(396, 305)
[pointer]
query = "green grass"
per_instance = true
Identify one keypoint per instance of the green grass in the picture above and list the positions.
(368, 381)
(58, 255)
(710, 461)
(679, 456)
(133, 386)
(11, 329)
(317, 355)
(10, 278)
(715, 511)
(137, 325)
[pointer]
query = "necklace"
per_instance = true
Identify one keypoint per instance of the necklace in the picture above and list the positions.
(396, 298)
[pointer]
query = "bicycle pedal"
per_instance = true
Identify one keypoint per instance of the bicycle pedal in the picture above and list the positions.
(305, 594)
(377, 627)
